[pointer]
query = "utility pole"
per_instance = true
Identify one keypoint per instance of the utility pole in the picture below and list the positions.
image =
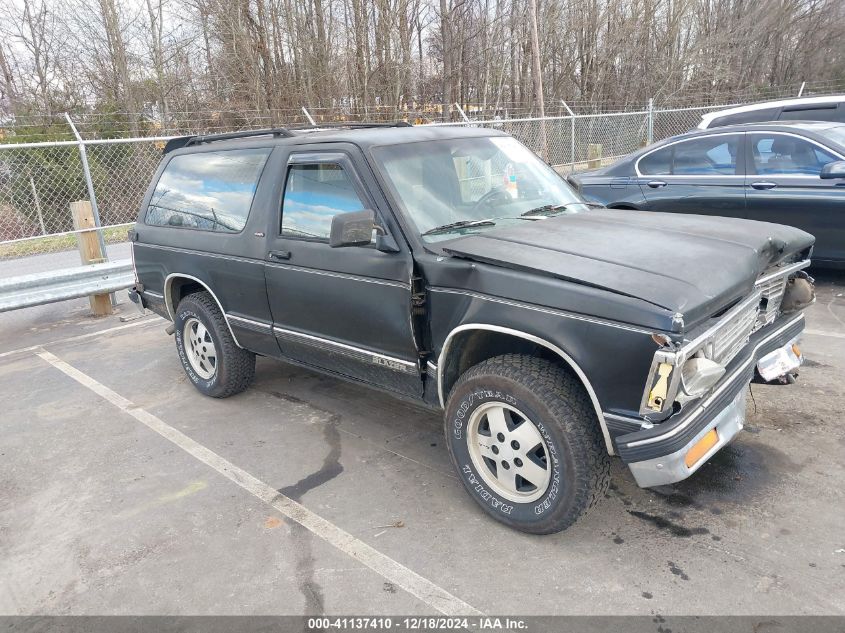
(537, 77)
(446, 41)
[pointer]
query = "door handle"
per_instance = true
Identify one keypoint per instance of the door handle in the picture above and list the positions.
(279, 255)
(763, 184)
(656, 184)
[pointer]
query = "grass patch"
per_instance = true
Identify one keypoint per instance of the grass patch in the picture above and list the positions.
(57, 243)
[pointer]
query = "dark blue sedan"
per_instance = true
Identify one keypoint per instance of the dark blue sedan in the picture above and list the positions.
(788, 173)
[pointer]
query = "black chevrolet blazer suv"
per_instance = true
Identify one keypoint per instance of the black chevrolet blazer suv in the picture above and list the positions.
(453, 267)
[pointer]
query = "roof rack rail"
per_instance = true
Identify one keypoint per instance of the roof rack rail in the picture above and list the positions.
(186, 141)
(350, 124)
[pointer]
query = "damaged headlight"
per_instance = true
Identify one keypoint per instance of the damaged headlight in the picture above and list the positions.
(663, 383)
(659, 391)
(673, 379)
(698, 375)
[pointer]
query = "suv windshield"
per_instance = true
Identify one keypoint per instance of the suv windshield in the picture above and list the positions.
(463, 185)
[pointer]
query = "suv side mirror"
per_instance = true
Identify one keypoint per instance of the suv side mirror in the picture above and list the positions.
(352, 229)
(836, 169)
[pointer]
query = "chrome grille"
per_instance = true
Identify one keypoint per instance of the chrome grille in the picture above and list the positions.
(723, 341)
(731, 335)
(772, 294)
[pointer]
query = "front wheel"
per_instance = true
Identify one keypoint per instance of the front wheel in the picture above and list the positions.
(525, 441)
(211, 358)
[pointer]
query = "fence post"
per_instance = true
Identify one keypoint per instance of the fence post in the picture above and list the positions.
(571, 134)
(89, 249)
(463, 114)
(650, 126)
(594, 155)
(83, 156)
(37, 205)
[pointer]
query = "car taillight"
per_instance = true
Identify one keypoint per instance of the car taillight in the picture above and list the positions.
(132, 237)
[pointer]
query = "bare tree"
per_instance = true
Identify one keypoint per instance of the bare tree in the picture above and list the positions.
(191, 64)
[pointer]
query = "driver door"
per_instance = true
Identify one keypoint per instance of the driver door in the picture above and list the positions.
(344, 310)
(783, 186)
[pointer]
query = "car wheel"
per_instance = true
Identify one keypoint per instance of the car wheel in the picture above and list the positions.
(523, 436)
(211, 358)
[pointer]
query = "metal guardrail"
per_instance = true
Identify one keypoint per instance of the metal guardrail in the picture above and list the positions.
(70, 283)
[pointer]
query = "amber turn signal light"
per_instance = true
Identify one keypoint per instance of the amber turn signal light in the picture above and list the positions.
(700, 448)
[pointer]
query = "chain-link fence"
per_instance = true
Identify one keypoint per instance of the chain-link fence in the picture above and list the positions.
(568, 142)
(38, 181)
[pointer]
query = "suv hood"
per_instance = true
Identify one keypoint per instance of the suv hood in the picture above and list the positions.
(688, 264)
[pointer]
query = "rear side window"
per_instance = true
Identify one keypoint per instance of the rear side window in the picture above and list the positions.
(657, 163)
(708, 156)
(210, 191)
(711, 156)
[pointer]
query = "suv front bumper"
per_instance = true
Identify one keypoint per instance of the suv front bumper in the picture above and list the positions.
(658, 455)
(671, 468)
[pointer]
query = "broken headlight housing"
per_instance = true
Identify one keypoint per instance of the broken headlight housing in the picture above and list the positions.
(677, 377)
(664, 379)
(681, 372)
(698, 376)
(685, 370)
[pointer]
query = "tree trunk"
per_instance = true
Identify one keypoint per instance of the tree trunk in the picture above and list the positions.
(446, 42)
(537, 77)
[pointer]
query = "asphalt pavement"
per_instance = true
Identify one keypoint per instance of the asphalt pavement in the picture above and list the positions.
(125, 491)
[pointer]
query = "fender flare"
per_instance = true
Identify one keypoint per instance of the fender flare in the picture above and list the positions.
(171, 309)
(566, 358)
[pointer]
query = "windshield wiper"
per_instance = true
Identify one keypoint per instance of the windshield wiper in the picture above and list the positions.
(551, 209)
(461, 224)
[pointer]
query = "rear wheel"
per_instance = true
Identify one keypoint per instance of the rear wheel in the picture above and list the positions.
(208, 352)
(525, 441)
(201, 352)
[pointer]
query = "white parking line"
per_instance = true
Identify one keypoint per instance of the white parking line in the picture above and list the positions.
(422, 588)
(825, 333)
(80, 337)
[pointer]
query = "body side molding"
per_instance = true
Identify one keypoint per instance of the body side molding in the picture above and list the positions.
(358, 353)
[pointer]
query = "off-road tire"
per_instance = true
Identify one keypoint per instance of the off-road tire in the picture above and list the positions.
(235, 368)
(557, 404)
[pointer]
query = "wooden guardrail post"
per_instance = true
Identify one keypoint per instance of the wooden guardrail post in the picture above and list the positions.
(90, 251)
(593, 155)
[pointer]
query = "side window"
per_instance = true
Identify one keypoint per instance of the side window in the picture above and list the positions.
(658, 163)
(314, 194)
(823, 112)
(780, 154)
(210, 191)
(752, 116)
(709, 156)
